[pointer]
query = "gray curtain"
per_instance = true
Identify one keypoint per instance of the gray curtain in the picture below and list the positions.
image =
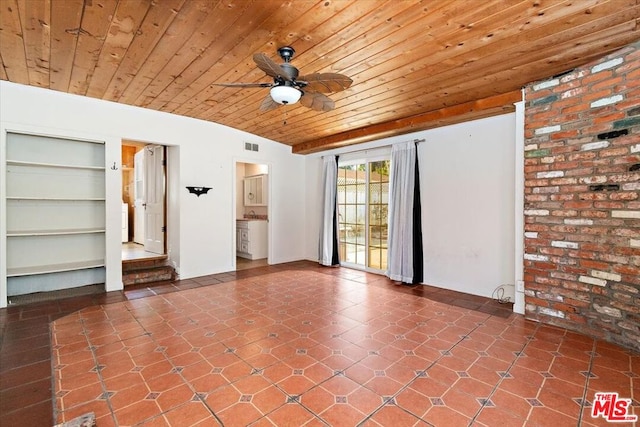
(328, 248)
(404, 254)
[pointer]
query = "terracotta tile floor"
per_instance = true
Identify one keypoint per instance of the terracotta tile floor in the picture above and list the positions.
(297, 344)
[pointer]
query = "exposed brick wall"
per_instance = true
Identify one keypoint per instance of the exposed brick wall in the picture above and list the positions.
(582, 199)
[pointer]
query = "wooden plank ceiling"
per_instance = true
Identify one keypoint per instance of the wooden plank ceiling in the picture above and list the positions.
(414, 64)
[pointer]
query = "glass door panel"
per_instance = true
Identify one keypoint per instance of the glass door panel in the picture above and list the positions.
(351, 203)
(363, 193)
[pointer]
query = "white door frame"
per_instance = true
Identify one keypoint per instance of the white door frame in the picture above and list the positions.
(165, 184)
(235, 213)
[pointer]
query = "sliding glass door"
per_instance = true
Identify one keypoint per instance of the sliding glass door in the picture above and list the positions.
(363, 197)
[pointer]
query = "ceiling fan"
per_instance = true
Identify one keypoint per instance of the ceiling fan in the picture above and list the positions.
(288, 87)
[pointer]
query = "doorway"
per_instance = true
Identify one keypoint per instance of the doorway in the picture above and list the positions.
(363, 201)
(252, 215)
(143, 200)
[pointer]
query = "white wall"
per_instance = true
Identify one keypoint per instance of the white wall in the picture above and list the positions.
(467, 194)
(467, 179)
(202, 229)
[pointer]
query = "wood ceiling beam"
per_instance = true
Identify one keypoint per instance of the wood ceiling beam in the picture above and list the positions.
(487, 107)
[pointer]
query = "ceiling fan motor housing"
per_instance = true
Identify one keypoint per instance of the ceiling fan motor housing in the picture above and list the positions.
(290, 70)
(286, 53)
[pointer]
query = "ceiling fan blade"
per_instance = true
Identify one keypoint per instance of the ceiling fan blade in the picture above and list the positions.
(243, 84)
(317, 101)
(268, 104)
(271, 68)
(326, 82)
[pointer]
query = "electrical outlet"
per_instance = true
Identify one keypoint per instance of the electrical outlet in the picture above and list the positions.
(520, 285)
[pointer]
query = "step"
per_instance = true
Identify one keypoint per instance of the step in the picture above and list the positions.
(161, 273)
(143, 264)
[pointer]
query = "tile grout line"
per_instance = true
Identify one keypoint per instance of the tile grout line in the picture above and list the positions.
(339, 373)
(354, 362)
(435, 362)
(317, 416)
(93, 349)
(29, 315)
(173, 365)
(583, 403)
(502, 378)
(103, 385)
(544, 381)
(254, 367)
(53, 375)
(417, 376)
(96, 366)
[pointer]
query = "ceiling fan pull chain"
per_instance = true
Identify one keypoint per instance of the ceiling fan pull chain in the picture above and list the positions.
(284, 122)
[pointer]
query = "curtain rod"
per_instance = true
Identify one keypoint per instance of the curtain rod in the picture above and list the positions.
(416, 141)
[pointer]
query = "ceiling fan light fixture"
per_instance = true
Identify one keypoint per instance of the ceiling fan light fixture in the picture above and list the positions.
(285, 94)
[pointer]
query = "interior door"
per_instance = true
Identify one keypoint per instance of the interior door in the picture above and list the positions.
(154, 227)
(138, 198)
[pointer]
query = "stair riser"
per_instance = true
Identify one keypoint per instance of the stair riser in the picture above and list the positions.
(142, 264)
(160, 274)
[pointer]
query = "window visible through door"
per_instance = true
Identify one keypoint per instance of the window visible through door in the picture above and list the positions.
(363, 200)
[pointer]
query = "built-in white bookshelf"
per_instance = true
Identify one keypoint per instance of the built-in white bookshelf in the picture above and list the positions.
(55, 205)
